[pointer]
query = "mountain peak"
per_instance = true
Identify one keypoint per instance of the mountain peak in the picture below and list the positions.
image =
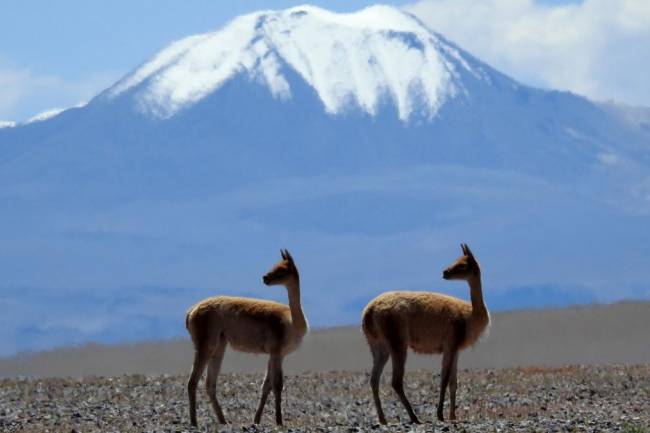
(355, 59)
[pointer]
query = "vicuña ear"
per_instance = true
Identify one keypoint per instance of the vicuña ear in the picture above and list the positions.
(287, 256)
(468, 252)
(282, 253)
(463, 248)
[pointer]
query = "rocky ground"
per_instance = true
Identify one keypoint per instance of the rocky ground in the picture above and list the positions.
(569, 399)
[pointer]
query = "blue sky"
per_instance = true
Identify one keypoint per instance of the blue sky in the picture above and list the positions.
(69, 51)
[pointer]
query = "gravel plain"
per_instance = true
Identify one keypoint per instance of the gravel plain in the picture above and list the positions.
(567, 399)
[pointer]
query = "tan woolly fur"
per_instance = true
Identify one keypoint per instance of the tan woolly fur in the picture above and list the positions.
(428, 323)
(248, 325)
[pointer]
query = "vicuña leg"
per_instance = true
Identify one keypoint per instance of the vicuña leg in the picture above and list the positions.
(266, 388)
(447, 362)
(200, 359)
(398, 355)
(277, 384)
(214, 366)
(379, 359)
(453, 384)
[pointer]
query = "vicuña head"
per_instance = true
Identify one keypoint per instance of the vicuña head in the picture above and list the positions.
(284, 272)
(464, 268)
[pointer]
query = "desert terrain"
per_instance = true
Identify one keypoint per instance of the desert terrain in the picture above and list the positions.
(569, 399)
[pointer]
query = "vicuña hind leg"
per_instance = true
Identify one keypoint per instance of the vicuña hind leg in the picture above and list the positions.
(266, 388)
(200, 359)
(398, 355)
(214, 366)
(379, 359)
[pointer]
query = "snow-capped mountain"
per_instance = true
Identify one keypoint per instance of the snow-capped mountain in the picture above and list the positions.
(348, 59)
(366, 143)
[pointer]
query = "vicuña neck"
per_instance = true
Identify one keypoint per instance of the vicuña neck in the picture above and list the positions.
(297, 316)
(476, 292)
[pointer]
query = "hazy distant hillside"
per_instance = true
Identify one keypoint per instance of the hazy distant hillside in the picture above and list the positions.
(366, 143)
(615, 333)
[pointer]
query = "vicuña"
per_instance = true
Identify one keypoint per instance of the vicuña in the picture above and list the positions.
(427, 323)
(248, 325)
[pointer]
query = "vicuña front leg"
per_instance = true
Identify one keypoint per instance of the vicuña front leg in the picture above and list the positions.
(447, 362)
(266, 388)
(277, 384)
(453, 384)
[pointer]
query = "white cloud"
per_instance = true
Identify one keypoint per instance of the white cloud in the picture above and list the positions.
(23, 93)
(7, 124)
(597, 48)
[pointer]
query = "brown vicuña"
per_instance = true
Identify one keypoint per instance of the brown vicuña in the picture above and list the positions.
(427, 323)
(248, 325)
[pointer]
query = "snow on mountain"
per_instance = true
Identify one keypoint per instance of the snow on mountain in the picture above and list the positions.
(347, 58)
(47, 114)
(366, 143)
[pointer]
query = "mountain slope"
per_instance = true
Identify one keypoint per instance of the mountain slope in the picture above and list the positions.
(366, 143)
